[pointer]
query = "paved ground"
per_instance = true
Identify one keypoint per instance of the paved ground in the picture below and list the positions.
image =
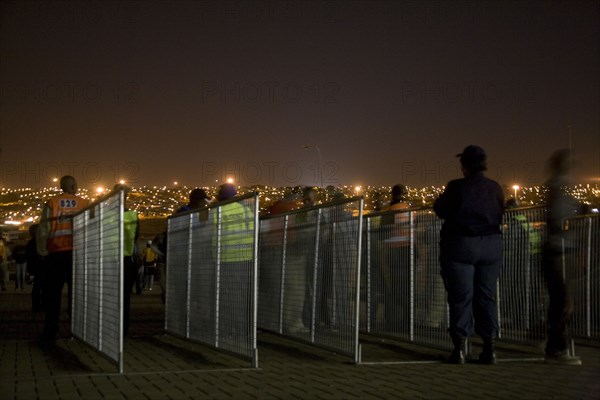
(162, 367)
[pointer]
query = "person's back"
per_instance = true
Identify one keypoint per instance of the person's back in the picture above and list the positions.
(471, 206)
(54, 239)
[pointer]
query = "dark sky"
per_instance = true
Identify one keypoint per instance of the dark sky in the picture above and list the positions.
(382, 93)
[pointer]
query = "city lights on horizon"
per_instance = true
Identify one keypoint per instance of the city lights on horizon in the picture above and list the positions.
(24, 205)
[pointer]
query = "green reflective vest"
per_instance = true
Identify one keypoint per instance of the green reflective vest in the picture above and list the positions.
(237, 233)
(130, 219)
(535, 241)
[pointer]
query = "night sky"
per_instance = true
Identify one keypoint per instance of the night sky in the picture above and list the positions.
(379, 92)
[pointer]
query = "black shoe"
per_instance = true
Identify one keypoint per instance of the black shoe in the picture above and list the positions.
(487, 357)
(456, 357)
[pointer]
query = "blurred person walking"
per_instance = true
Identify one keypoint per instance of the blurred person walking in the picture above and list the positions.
(471, 253)
(54, 241)
(35, 268)
(560, 309)
(20, 258)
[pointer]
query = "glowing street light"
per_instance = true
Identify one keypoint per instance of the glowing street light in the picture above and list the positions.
(357, 189)
(229, 180)
(516, 189)
(99, 189)
(122, 181)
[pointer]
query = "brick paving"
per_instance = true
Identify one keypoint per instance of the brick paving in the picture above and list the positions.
(160, 366)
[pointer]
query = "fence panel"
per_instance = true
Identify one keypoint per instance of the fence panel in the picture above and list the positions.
(583, 250)
(404, 294)
(309, 275)
(522, 298)
(98, 277)
(211, 276)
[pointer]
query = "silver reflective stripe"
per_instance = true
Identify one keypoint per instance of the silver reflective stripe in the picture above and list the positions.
(62, 232)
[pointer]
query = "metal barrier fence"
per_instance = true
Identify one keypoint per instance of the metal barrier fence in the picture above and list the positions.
(403, 295)
(97, 315)
(211, 276)
(402, 292)
(584, 276)
(309, 265)
(522, 296)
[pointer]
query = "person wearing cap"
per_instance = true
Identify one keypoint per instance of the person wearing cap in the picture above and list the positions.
(198, 199)
(471, 253)
(235, 254)
(54, 241)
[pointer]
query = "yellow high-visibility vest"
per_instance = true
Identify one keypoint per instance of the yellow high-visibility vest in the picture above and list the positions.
(130, 219)
(237, 233)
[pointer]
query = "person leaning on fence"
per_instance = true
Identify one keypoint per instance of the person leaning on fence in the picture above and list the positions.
(560, 309)
(471, 253)
(198, 199)
(131, 229)
(55, 242)
(236, 253)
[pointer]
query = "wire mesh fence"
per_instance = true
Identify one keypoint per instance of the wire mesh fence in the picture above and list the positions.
(97, 317)
(211, 276)
(309, 275)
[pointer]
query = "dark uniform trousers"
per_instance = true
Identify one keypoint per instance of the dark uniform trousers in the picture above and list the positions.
(59, 270)
(470, 267)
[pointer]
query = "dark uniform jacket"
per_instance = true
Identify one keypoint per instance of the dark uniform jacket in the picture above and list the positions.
(471, 206)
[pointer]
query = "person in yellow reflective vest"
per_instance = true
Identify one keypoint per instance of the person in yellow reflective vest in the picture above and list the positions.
(235, 254)
(149, 259)
(55, 243)
(131, 229)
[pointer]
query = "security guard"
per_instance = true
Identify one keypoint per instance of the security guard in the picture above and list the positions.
(55, 242)
(471, 253)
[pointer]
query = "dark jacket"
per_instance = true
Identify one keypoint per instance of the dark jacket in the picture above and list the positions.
(471, 206)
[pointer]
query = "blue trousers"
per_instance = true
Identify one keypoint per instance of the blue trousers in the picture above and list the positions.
(470, 269)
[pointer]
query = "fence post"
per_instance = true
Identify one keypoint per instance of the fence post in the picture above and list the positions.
(283, 267)
(121, 274)
(189, 277)
(357, 349)
(100, 273)
(588, 287)
(315, 275)
(411, 317)
(254, 277)
(218, 277)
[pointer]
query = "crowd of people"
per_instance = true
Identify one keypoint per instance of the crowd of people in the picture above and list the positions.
(471, 253)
